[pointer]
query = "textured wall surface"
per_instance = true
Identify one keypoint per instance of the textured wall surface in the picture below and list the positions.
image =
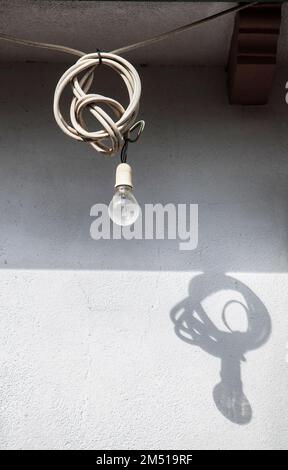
(108, 344)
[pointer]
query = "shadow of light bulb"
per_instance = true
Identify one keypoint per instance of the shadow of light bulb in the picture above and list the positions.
(194, 326)
(228, 394)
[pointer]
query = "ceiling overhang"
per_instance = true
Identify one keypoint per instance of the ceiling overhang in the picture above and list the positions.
(253, 54)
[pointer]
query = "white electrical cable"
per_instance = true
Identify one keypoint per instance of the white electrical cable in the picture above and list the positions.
(130, 47)
(114, 132)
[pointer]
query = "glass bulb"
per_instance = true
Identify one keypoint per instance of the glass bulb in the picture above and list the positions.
(123, 209)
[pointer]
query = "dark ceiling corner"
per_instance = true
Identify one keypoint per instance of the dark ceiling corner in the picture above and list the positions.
(252, 60)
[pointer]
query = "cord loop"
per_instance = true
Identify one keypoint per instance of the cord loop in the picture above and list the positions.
(139, 125)
(111, 138)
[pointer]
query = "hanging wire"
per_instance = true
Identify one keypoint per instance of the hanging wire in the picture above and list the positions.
(130, 47)
(139, 126)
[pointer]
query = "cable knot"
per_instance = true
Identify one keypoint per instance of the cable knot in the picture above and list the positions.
(110, 139)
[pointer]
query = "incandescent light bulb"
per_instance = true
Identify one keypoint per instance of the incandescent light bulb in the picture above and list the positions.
(123, 209)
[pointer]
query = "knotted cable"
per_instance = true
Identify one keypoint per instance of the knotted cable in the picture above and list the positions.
(118, 131)
(110, 139)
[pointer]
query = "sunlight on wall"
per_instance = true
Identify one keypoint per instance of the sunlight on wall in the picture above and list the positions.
(83, 350)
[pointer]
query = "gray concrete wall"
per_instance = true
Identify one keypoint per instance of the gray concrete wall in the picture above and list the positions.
(90, 356)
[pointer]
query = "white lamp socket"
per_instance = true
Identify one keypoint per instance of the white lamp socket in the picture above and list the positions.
(123, 175)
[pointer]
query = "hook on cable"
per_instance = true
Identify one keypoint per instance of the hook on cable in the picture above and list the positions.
(139, 125)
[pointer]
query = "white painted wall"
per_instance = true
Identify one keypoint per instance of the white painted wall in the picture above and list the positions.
(89, 354)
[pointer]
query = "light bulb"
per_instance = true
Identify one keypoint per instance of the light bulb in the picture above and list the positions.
(123, 209)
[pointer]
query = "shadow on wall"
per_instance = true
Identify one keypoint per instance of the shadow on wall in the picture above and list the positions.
(196, 327)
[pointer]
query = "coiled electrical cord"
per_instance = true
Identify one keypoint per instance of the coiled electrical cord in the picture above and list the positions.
(116, 133)
(82, 100)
